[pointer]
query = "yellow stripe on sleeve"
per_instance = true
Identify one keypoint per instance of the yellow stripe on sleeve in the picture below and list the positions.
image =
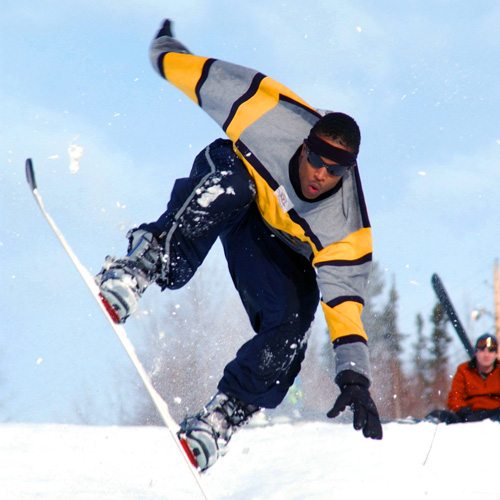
(184, 72)
(344, 319)
(355, 246)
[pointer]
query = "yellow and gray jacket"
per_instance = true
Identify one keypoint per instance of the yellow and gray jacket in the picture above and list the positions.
(267, 123)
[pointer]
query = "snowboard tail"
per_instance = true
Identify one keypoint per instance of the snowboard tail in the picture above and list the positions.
(445, 301)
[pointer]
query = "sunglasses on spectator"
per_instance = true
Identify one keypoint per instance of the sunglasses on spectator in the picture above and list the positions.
(487, 344)
(316, 161)
(491, 349)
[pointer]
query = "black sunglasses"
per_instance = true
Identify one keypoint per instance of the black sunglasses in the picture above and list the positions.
(491, 349)
(316, 161)
(487, 343)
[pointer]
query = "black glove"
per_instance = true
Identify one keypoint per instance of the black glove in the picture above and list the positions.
(467, 415)
(166, 29)
(464, 413)
(355, 393)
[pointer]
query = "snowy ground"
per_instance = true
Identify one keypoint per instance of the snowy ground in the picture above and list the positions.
(281, 462)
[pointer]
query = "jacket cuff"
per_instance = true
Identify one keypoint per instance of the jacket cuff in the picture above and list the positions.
(348, 377)
(353, 357)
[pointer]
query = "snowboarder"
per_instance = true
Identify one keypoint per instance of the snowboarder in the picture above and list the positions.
(475, 389)
(284, 196)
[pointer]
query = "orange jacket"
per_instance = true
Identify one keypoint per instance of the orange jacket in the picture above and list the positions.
(470, 389)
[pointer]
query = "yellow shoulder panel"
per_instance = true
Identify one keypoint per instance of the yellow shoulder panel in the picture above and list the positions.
(260, 103)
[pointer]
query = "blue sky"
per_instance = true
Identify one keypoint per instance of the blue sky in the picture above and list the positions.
(421, 79)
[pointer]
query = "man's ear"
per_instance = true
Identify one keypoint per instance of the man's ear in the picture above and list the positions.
(302, 151)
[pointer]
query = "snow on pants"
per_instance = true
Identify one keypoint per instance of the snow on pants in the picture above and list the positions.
(277, 286)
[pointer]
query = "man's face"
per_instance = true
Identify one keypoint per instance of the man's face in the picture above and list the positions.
(316, 181)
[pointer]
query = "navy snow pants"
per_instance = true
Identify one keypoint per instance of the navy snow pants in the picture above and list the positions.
(277, 286)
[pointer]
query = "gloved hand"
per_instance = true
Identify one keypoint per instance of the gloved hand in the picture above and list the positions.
(355, 393)
(467, 415)
(166, 29)
(464, 412)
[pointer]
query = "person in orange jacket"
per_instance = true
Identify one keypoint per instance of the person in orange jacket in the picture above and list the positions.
(476, 386)
(475, 389)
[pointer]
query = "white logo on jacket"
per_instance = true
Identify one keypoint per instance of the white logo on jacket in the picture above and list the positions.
(283, 199)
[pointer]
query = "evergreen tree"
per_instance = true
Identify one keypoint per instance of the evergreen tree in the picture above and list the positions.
(438, 351)
(390, 382)
(420, 384)
(371, 318)
(394, 341)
